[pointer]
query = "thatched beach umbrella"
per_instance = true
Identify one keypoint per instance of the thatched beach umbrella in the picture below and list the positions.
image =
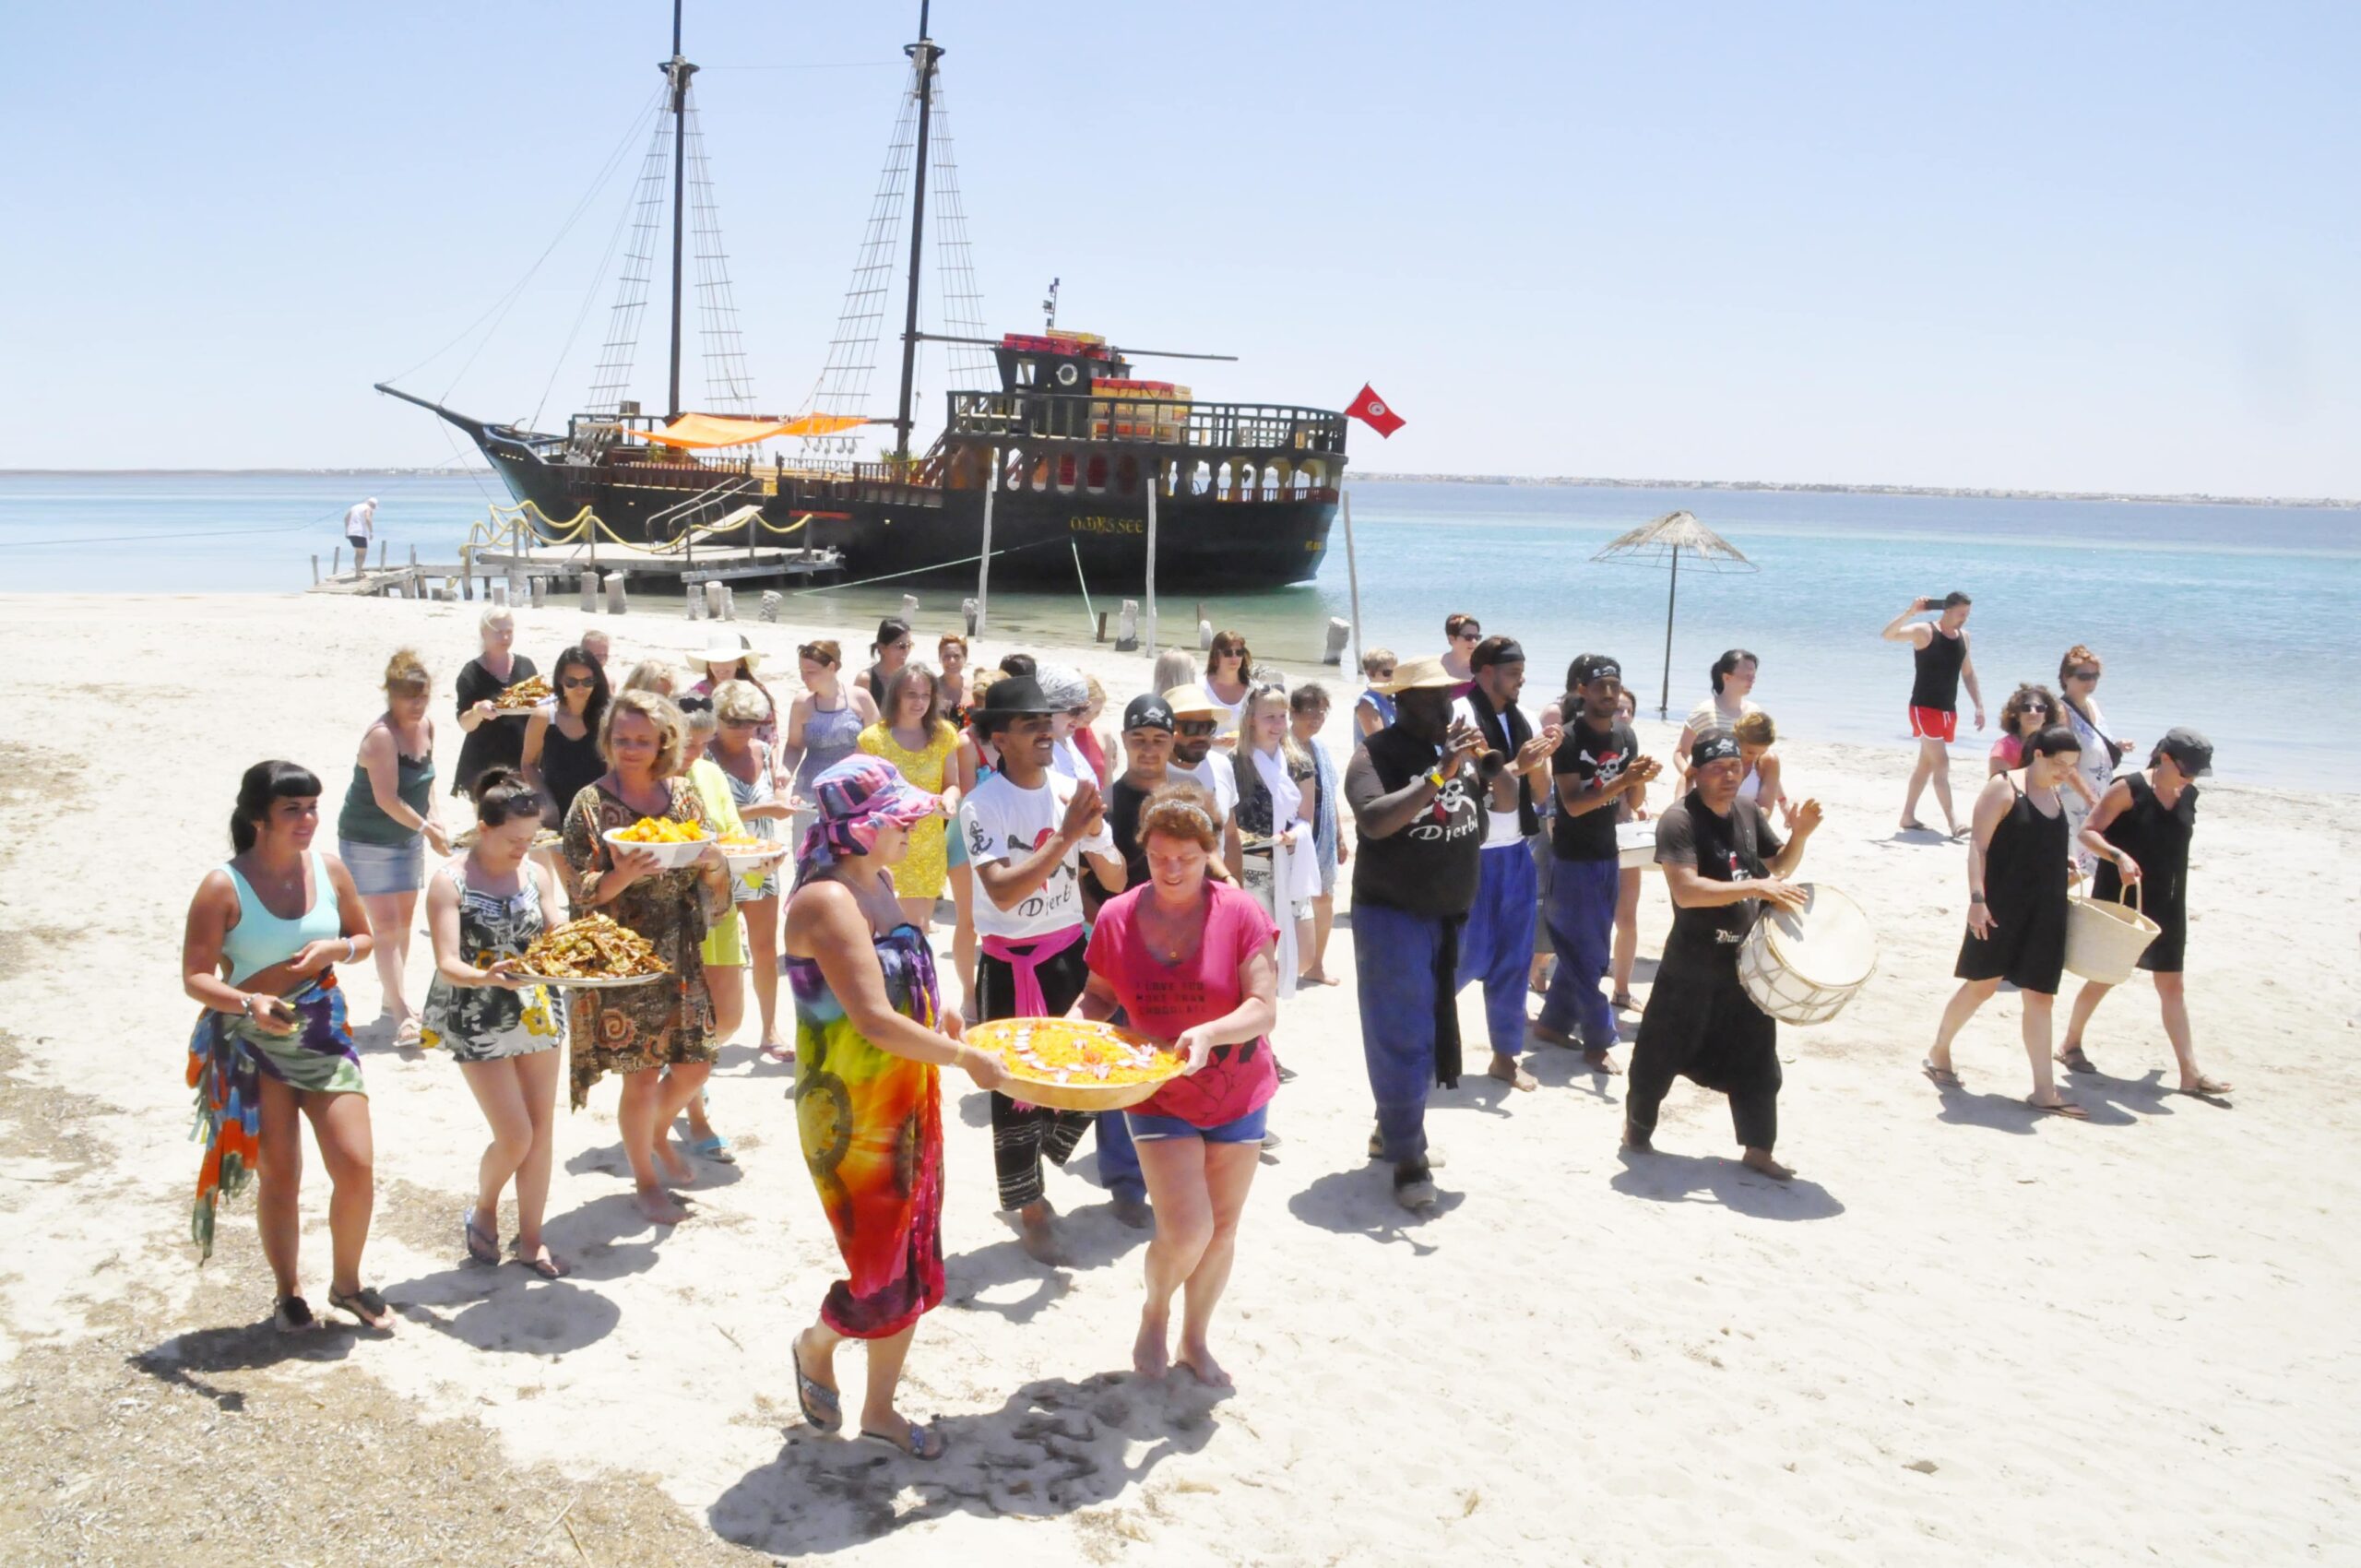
(1659, 543)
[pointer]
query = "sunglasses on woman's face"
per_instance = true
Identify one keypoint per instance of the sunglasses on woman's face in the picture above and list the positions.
(576, 682)
(1470, 635)
(2082, 675)
(739, 724)
(2036, 708)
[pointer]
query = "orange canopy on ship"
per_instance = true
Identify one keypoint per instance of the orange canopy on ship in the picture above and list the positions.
(730, 430)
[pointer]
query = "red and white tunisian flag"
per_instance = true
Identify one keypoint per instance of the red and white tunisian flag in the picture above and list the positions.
(1370, 409)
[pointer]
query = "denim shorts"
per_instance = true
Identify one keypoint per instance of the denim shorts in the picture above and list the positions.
(1247, 1129)
(385, 868)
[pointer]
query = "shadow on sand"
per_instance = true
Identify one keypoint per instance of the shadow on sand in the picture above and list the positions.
(1360, 1202)
(186, 1359)
(1056, 1446)
(1682, 1178)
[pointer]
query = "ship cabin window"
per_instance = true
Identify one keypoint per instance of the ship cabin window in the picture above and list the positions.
(1040, 471)
(1222, 484)
(1272, 482)
(1201, 477)
(1094, 473)
(1127, 475)
(1065, 471)
(1025, 372)
(1014, 477)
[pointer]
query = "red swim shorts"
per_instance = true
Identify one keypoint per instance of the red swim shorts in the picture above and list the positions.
(1935, 724)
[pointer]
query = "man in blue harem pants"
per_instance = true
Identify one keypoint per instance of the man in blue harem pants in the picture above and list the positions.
(1496, 946)
(1599, 773)
(1419, 833)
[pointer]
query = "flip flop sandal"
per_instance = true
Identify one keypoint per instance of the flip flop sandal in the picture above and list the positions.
(716, 1147)
(2074, 1061)
(2065, 1108)
(482, 1245)
(292, 1314)
(821, 1406)
(364, 1304)
(782, 1053)
(549, 1266)
(1624, 1003)
(925, 1443)
(1943, 1078)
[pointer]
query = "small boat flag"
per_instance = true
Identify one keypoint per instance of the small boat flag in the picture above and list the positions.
(1370, 409)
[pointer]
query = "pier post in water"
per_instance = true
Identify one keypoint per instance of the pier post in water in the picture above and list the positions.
(910, 608)
(589, 581)
(336, 562)
(709, 597)
(967, 614)
(315, 568)
(615, 601)
(1205, 631)
(540, 592)
(729, 602)
(1127, 627)
(1339, 631)
(772, 600)
(692, 602)
(495, 591)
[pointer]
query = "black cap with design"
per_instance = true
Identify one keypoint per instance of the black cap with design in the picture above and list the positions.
(1148, 711)
(1714, 745)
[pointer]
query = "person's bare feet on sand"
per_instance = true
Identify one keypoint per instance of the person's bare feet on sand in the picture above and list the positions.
(1509, 1071)
(1200, 1363)
(1636, 1141)
(1037, 1232)
(677, 1171)
(659, 1206)
(1317, 977)
(1760, 1160)
(1599, 1062)
(1150, 1358)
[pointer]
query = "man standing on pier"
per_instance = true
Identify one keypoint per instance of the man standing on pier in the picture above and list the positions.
(359, 527)
(1940, 650)
(1416, 864)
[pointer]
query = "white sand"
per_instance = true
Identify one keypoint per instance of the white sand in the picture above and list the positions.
(1967, 1335)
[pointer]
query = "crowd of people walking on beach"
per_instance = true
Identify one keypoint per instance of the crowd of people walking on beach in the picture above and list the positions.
(1176, 871)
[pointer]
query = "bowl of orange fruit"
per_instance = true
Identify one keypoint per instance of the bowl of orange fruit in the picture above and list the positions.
(674, 844)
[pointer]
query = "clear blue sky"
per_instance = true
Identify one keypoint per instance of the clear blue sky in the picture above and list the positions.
(2071, 247)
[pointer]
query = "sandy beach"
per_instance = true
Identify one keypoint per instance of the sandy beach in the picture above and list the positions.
(1965, 1334)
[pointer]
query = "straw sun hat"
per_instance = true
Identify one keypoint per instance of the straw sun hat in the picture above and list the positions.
(1419, 675)
(720, 647)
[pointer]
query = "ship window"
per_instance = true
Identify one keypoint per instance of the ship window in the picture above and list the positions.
(1201, 477)
(1015, 478)
(1040, 471)
(1223, 484)
(1127, 475)
(1065, 471)
(1094, 473)
(1025, 372)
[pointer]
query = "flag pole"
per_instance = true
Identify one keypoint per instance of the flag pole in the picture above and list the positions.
(1353, 575)
(984, 566)
(1155, 474)
(1672, 597)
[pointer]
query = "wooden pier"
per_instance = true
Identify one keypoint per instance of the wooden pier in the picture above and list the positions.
(689, 570)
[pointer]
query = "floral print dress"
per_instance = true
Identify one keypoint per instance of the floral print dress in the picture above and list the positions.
(635, 1028)
(486, 1023)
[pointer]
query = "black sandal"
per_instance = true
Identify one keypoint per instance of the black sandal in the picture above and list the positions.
(366, 1305)
(292, 1314)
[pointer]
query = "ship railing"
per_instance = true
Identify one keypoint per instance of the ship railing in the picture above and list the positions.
(1039, 416)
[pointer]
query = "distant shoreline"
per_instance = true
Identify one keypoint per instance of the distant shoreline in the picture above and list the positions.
(1953, 492)
(1530, 482)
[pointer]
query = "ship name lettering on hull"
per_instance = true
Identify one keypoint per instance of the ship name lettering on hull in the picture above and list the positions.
(1106, 524)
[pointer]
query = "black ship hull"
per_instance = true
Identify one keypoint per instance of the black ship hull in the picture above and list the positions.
(1050, 539)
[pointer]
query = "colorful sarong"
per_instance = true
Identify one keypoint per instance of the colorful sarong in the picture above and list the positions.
(872, 1125)
(228, 1055)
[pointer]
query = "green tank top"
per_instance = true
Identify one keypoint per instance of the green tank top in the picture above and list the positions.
(363, 823)
(261, 939)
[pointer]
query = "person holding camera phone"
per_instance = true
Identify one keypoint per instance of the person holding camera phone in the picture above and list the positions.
(1940, 650)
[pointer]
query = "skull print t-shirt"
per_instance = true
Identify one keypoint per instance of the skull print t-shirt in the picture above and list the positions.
(1429, 867)
(1000, 821)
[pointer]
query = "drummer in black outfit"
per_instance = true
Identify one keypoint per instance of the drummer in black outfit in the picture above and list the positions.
(1938, 652)
(2140, 832)
(1722, 863)
(2016, 910)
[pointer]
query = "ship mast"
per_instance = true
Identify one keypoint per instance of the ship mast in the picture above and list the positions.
(677, 71)
(923, 54)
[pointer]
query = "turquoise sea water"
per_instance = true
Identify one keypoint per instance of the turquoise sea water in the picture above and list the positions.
(2238, 620)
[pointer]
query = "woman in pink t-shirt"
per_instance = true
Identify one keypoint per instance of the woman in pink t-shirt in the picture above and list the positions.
(1190, 957)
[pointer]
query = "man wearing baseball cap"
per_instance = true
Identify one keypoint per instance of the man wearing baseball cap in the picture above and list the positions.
(1598, 772)
(1496, 944)
(1722, 863)
(2139, 831)
(1419, 829)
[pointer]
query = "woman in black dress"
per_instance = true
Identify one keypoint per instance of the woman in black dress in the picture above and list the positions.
(561, 742)
(2140, 832)
(495, 736)
(2016, 910)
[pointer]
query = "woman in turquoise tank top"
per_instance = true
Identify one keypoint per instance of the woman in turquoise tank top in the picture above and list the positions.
(388, 825)
(264, 933)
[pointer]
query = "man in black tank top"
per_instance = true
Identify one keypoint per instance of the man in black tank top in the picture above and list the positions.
(1938, 648)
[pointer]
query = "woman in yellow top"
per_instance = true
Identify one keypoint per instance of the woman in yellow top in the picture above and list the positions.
(913, 735)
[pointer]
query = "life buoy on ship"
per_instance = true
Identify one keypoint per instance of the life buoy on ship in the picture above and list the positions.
(1067, 375)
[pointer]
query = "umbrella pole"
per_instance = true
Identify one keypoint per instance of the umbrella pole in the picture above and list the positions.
(1672, 597)
(1353, 575)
